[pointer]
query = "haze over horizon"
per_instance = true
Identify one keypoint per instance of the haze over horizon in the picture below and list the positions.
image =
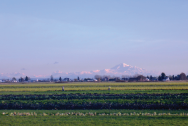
(40, 37)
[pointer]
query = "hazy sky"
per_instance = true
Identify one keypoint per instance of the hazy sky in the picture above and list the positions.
(38, 37)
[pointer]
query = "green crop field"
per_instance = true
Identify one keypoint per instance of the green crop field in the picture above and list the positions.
(94, 86)
(142, 103)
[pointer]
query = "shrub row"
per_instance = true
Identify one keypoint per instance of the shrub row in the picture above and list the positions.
(95, 96)
(61, 106)
(87, 101)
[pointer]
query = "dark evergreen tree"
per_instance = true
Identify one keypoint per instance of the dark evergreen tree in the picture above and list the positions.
(150, 78)
(160, 78)
(14, 79)
(163, 75)
(21, 79)
(60, 79)
(51, 78)
(26, 78)
(173, 77)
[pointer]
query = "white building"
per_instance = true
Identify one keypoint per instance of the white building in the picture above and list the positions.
(147, 79)
(166, 79)
(91, 80)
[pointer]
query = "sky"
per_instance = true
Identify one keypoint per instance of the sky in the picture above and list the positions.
(39, 37)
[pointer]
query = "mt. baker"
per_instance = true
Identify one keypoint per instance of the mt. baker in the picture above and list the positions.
(118, 70)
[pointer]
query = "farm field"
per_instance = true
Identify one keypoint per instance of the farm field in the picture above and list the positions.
(51, 92)
(94, 86)
(49, 102)
(93, 121)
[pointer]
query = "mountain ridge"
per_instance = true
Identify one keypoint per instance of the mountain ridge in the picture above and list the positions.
(117, 70)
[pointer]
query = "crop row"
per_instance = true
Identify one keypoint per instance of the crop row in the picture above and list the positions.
(106, 84)
(96, 88)
(88, 101)
(50, 105)
(93, 92)
(92, 114)
(86, 86)
(182, 96)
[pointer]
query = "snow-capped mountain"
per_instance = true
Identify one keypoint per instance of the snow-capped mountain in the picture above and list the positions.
(124, 69)
(118, 70)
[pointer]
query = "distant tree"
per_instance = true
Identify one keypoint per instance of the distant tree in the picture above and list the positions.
(177, 77)
(60, 79)
(13, 79)
(26, 78)
(135, 76)
(51, 78)
(78, 79)
(163, 75)
(141, 78)
(107, 77)
(183, 76)
(21, 79)
(160, 78)
(173, 77)
(150, 78)
(98, 77)
(170, 77)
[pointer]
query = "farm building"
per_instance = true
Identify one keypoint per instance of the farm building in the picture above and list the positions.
(166, 79)
(66, 79)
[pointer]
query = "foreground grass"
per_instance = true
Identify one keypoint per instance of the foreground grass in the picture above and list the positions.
(94, 120)
(99, 121)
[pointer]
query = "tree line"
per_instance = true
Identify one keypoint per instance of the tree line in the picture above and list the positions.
(161, 77)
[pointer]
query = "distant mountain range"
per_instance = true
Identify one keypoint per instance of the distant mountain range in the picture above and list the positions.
(10, 75)
(118, 70)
